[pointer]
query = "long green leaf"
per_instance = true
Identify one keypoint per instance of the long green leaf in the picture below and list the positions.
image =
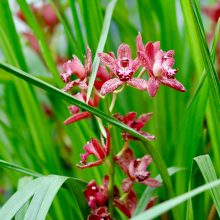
(208, 171)
(101, 45)
(166, 206)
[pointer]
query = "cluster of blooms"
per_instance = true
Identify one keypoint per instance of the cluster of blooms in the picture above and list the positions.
(48, 21)
(116, 72)
(213, 12)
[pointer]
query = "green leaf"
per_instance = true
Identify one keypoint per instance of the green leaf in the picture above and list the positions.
(166, 206)
(101, 45)
(208, 171)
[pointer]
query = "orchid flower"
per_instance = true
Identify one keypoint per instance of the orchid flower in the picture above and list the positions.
(135, 169)
(124, 68)
(97, 196)
(136, 124)
(159, 65)
(93, 147)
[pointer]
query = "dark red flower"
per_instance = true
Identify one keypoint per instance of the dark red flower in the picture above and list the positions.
(97, 196)
(135, 169)
(100, 214)
(159, 65)
(93, 147)
(128, 204)
(124, 68)
(136, 124)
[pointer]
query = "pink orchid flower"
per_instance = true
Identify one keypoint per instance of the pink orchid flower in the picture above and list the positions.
(93, 147)
(123, 67)
(136, 124)
(135, 169)
(75, 67)
(159, 65)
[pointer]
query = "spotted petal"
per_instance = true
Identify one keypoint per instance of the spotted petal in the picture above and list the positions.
(124, 51)
(140, 84)
(76, 117)
(108, 60)
(173, 83)
(110, 86)
(139, 43)
(153, 85)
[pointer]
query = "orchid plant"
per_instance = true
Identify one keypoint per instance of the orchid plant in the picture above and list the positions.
(113, 73)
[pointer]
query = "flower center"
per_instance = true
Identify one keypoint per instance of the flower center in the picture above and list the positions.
(124, 62)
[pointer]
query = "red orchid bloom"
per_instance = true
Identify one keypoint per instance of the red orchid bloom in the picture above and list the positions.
(123, 67)
(100, 214)
(97, 196)
(135, 169)
(93, 147)
(136, 124)
(159, 65)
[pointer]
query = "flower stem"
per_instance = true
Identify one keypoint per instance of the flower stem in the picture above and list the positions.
(111, 176)
(141, 73)
(114, 96)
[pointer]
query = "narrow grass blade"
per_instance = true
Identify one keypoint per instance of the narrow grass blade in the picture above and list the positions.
(166, 206)
(18, 168)
(208, 171)
(101, 45)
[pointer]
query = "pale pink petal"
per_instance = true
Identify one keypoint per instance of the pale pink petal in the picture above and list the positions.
(110, 86)
(144, 118)
(124, 159)
(124, 50)
(91, 164)
(73, 109)
(143, 59)
(76, 117)
(75, 66)
(151, 182)
(71, 84)
(147, 135)
(139, 43)
(126, 185)
(88, 61)
(156, 47)
(140, 84)
(153, 85)
(135, 65)
(107, 60)
(173, 83)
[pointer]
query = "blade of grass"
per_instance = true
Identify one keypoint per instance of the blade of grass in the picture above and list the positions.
(101, 45)
(166, 206)
(208, 171)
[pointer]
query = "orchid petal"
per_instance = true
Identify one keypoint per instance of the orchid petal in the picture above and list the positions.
(107, 60)
(76, 117)
(144, 60)
(153, 85)
(173, 83)
(140, 84)
(124, 50)
(151, 182)
(139, 43)
(110, 86)
(91, 164)
(88, 61)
